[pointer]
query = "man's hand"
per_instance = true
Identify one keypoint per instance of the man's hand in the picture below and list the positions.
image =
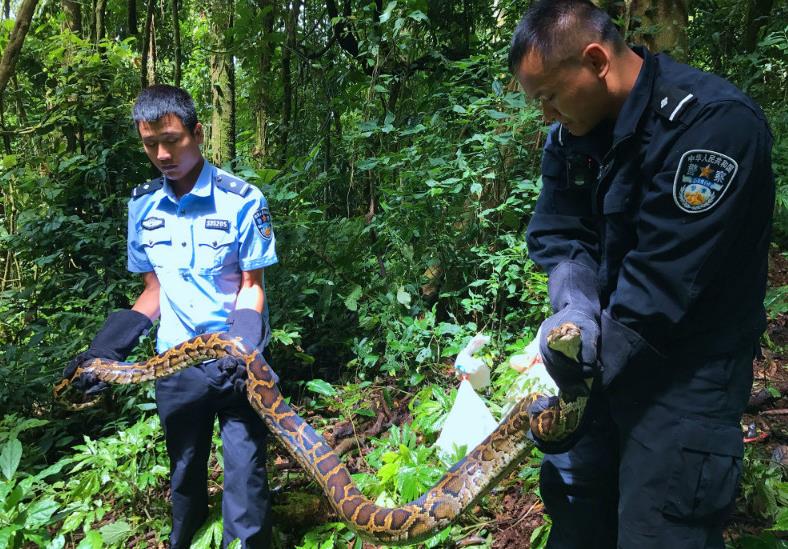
(246, 324)
(574, 296)
(114, 341)
(87, 383)
(570, 357)
(233, 370)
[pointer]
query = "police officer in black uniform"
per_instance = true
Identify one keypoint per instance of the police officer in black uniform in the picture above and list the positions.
(653, 225)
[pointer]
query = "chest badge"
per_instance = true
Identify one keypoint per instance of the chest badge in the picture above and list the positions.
(152, 223)
(702, 179)
(262, 220)
(218, 224)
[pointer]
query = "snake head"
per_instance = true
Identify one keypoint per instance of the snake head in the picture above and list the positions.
(566, 339)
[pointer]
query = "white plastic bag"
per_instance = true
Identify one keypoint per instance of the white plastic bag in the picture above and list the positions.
(477, 371)
(469, 421)
(533, 376)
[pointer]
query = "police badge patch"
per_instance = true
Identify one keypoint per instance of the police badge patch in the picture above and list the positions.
(262, 220)
(702, 179)
(152, 223)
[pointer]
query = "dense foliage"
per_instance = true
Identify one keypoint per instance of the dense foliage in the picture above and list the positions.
(401, 163)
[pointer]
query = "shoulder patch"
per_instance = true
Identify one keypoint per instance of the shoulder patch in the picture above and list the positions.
(262, 220)
(232, 184)
(702, 179)
(671, 102)
(147, 187)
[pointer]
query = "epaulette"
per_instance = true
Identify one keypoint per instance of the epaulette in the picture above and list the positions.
(232, 184)
(671, 103)
(147, 187)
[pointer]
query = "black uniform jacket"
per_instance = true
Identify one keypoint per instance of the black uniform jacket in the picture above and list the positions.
(671, 203)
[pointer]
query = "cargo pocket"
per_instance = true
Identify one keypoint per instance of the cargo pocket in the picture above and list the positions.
(705, 474)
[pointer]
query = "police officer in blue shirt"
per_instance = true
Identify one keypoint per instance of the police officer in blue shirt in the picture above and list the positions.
(653, 225)
(201, 238)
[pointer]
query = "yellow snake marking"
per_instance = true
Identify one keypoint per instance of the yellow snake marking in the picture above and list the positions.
(463, 485)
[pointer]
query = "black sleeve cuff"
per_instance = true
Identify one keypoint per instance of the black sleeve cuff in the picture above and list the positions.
(619, 346)
(120, 334)
(248, 324)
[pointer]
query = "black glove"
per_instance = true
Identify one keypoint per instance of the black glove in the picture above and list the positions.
(566, 444)
(575, 299)
(114, 341)
(248, 325)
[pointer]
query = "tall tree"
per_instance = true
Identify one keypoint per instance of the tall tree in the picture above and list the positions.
(101, 15)
(291, 21)
(661, 24)
(148, 68)
(73, 11)
(22, 24)
(756, 17)
(263, 100)
(222, 138)
(131, 17)
(176, 39)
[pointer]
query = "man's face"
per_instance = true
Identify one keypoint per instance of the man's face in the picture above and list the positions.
(571, 92)
(172, 148)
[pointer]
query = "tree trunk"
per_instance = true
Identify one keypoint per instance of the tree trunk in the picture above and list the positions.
(757, 15)
(291, 19)
(73, 11)
(222, 142)
(176, 38)
(23, 18)
(6, 9)
(131, 17)
(263, 103)
(6, 137)
(146, 48)
(662, 25)
(101, 13)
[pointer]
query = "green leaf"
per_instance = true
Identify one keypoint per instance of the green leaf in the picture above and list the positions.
(115, 532)
(9, 161)
(403, 297)
(39, 513)
(351, 301)
(6, 534)
(773, 391)
(321, 387)
(386, 15)
(459, 108)
(496, 115)
(367, 163)
(92, 540)
(10, 457)
(56, 543)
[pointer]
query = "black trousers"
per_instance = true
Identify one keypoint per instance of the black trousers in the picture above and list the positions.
(660, 464)
(188, 403)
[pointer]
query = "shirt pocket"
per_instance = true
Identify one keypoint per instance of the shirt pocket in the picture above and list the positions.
(157, 245)
(213, 250)
(706, 471)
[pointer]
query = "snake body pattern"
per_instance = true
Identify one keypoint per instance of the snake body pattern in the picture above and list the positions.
(464, 484)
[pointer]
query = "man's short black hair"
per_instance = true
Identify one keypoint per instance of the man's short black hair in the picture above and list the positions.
(552, 27)
(155, 102)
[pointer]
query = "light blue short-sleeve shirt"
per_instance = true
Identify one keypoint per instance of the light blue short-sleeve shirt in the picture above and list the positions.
(198, 245)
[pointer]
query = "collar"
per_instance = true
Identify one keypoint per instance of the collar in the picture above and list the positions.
(202, 187)
(639, 98)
